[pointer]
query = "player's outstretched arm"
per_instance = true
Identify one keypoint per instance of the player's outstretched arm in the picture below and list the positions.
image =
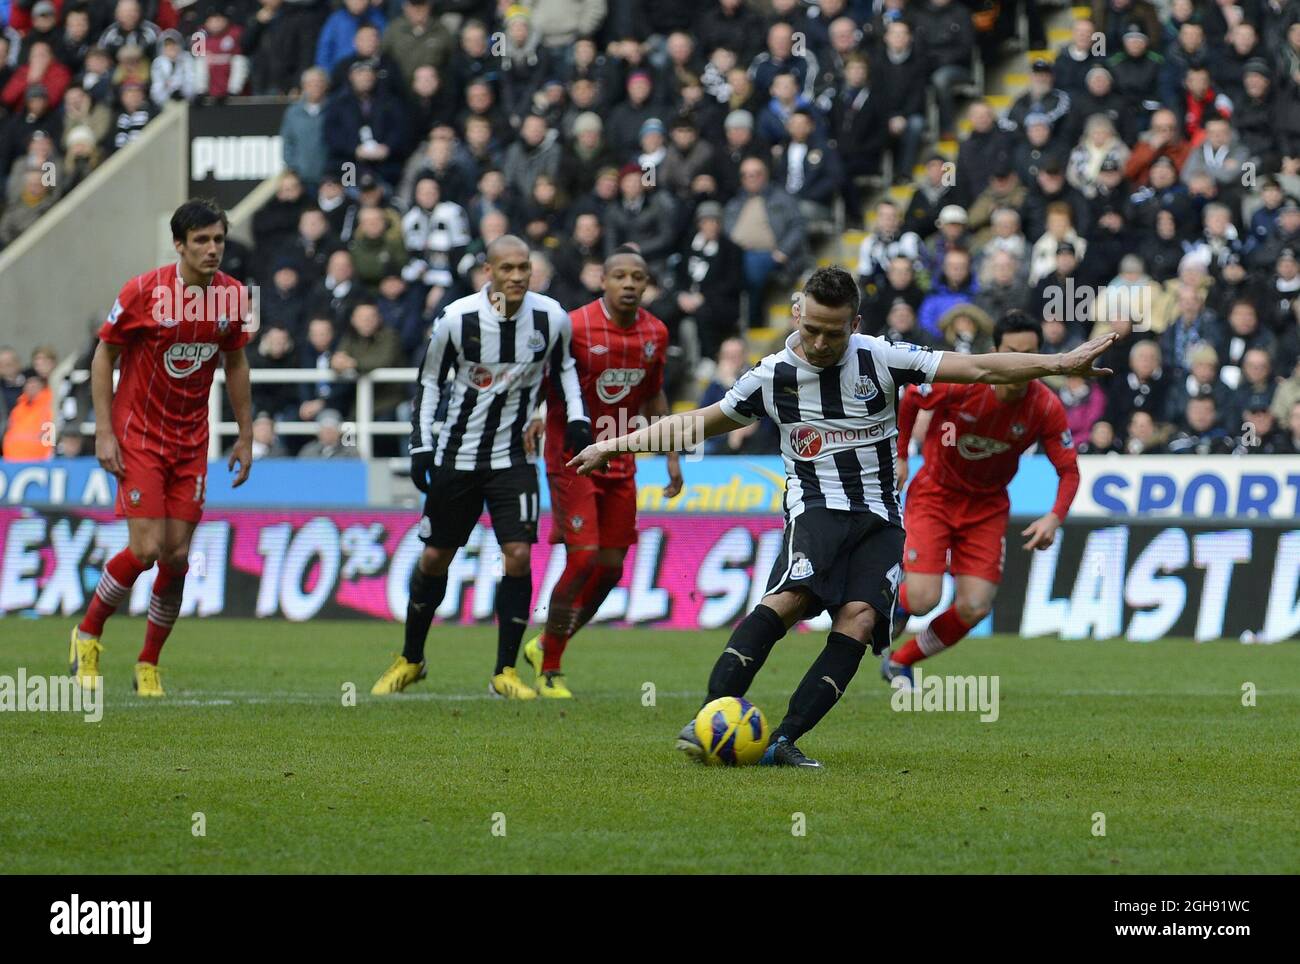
(101, 394)
(240, 388)
(1011, 367)
(671, 434)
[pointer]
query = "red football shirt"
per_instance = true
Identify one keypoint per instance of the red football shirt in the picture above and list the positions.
(172, 338)
(974, 442)
(620, 369)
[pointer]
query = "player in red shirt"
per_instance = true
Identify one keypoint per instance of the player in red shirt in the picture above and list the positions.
(170, 328)
(957, 506)
(620, 350)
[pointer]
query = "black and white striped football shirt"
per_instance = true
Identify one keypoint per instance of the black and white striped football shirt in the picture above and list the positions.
(496, 366)
(837, 424)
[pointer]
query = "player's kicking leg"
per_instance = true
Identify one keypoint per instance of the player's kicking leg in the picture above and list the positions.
(746, 651)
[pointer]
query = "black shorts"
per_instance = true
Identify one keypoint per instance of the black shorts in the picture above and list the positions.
(455, 502)
(840, 557)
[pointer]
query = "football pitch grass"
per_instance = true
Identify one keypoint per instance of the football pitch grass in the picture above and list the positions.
(254, 736)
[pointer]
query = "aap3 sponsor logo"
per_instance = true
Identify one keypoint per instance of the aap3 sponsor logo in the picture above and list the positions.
(183, 359)
(613, 384)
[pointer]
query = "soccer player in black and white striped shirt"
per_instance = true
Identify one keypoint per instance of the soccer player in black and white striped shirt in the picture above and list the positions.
(495, 346)
(833, 394)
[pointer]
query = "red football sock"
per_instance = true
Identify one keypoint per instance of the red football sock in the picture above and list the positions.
(562, 611)
(594, 593)
(944, 632)
(164, 607)
(115, 584)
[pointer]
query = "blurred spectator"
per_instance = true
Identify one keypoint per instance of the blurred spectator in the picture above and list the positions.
(1201, 381)
(1144, 386)
(753, 439)
(967, 330)
(1144, 436)
(330, 441)
(173, 75)
(129, 28)
(317, 352)
(901, 77)
(648, 220)
(1290, 442)
(417, 39)
(1073, 62)
(376, 249)
(266, 443)
(953, 286)
(80, 111)
(858, 129)
(1163, 139)
(364, 127)
(709, 280)
(901, 325)
(72, 444)
(336, 293)
(274, 351)
(885, 243)
(1084, 403)
(41, 157)
(284, 301)
(536, 152)
(302, 132)
(336, 37)
(1101, 440)
(809, 170)
(29, 430)
(34, 200)
(436, 235)
(40, 69)
(1242, 336)
(1001, 288)
(368, 345)
(933, 192)
(765, 222)
(134, 113)
(1201, 433)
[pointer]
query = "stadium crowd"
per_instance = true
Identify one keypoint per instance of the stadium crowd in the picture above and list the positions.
(1145, 181)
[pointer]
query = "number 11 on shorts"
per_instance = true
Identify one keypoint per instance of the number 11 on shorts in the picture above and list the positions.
(529, 500)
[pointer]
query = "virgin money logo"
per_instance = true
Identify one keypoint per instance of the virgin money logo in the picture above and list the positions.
(806, 441)
(183, 359)
(480, 377)
(976, 447)
(614, 384)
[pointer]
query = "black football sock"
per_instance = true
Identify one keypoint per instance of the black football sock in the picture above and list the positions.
(745, 654)
(513, 596)
(822, 686)
(426, 596)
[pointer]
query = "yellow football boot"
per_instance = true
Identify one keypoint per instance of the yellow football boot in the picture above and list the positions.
(399, 676)
(551, 686)
(507, 685)
(533, 653)
(147, 682)
(83, 660)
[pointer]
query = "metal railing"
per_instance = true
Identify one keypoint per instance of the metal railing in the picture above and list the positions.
(363, 425)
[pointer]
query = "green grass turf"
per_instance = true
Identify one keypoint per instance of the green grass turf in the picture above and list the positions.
(254, 735)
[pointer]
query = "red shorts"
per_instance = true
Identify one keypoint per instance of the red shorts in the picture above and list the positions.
(154, 487)
(591, 510)
(951, 532)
